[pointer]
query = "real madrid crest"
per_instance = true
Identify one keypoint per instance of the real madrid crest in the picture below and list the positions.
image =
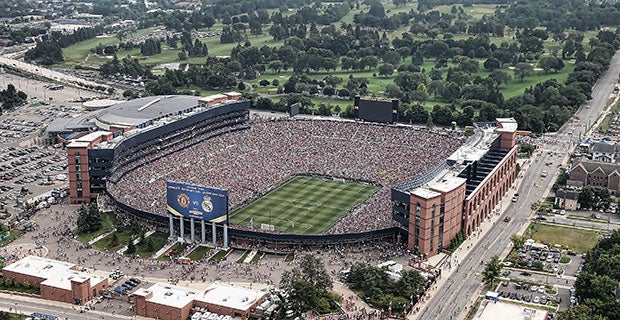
(183, 200)
(207, 205)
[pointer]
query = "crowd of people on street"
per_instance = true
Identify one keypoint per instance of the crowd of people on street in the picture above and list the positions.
(251, 162)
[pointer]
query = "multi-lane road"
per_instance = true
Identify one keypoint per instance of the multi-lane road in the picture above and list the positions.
(26, 306)
(451, 299)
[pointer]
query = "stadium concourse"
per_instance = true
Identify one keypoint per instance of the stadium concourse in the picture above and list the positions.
(265, 153)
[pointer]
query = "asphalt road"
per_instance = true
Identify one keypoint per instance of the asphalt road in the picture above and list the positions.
(450, 300)
(26, 306)
(464, 283)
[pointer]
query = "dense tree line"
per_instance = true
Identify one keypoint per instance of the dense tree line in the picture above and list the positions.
(597, 285)
(49, 50)
(150, 47)
(384, 292)
(125, 67)
(213, 75)
(89, 219)
(21, 35)
(11, 98)
(193, 49)
(308, 287)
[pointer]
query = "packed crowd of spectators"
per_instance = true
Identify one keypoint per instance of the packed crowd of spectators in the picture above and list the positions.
(250, 162)
(132, 157)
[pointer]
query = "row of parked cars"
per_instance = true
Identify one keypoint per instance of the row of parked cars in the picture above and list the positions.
(527, 297)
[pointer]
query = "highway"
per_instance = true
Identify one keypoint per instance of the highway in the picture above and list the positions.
(450, 300)
(48, 73)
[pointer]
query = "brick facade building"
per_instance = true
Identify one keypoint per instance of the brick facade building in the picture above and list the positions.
(459, 193)
(58, 280)
(596, 174)
(169, 302)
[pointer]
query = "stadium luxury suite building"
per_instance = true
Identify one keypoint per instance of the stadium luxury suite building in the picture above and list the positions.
(460, 192)
(104, 144)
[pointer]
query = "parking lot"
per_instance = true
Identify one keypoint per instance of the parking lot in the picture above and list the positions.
(530, 293)
(28, 168)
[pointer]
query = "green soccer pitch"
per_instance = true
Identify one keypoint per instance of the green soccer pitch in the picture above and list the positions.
(303, 205)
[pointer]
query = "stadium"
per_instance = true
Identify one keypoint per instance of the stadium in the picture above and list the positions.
(291, 181)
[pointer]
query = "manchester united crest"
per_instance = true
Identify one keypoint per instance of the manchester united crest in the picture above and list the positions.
(183, 200)
(207, 205)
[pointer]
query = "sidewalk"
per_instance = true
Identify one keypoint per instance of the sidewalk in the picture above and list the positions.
(101, 237)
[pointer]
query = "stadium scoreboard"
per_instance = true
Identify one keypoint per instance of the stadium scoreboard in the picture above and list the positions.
(195, 201)
(293, 110)
(376, 110)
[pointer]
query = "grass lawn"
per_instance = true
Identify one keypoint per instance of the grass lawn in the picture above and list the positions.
(243, 256)
(159, 240)
(304, 205)
(15, 233)
(179, 247)
(106, 244)
(573, 217)
(108, 221)
(20, 288)
(198, 253)
(219, 255)
(76, 53)
(579, 240)
(516, 87)
(257, 257)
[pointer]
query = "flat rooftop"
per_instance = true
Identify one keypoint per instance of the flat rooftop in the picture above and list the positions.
(508, 311)
(63, 280)
(169, 295)
(39, 267)
(425, 193)
(231, 297)
(216, 294)
(86, 140)
(506, 125)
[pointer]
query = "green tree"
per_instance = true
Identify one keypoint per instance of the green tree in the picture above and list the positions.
(5, 315)
(527, 148)
(411, 284)
(523, 70)
(308, 286)
(150, 246)
(517, 240)
(11, 98)
(579, 312)
(491, 271)
(113, 239)
(386, 69)
(89, 219)
(551, 63)
(131, 248)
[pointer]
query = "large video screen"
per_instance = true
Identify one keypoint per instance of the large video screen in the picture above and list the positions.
(199, 202)
(376, 111)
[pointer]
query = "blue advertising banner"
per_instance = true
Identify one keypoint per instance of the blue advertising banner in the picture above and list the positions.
(199, 202)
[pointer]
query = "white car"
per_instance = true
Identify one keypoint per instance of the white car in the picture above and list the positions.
(562, 212)
(534, 288)
(541, 289)
(536, 299)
